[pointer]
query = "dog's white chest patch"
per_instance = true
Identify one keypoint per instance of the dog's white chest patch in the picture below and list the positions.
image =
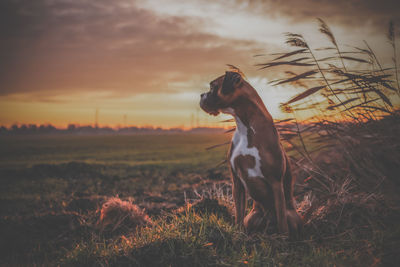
(240, 147)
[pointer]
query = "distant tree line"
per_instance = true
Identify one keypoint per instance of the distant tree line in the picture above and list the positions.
(29, 129)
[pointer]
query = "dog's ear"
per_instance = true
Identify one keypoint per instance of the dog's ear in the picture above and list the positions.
(231, 81)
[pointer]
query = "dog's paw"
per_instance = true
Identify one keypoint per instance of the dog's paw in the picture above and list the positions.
(295, 224)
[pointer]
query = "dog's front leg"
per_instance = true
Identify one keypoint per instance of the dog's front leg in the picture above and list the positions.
(239, 197)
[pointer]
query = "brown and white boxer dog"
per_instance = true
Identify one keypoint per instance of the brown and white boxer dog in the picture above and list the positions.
(258, 162)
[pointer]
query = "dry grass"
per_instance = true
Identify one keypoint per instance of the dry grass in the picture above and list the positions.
(346, 150)
(351, 105)
(117, 215)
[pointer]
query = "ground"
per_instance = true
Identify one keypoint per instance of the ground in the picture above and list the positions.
(52, 189)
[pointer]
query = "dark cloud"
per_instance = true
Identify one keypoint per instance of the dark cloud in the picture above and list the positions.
(350, 13)
(66, 45)
(58, 46)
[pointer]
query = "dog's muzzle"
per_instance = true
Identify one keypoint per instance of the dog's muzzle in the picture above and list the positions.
(203, 99)
(205, 105)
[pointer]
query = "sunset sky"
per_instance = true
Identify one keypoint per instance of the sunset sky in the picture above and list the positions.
(60, 60)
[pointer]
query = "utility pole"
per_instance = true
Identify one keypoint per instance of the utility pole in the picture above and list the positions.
(197, 118)
(96, 119)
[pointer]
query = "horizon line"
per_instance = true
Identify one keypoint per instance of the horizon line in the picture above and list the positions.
(72, 126)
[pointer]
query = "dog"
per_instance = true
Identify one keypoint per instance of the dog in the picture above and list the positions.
(259, 165)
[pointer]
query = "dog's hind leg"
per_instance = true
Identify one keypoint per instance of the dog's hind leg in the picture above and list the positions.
(255, 221)
(261, 193)
(295, 222)
(280, 207)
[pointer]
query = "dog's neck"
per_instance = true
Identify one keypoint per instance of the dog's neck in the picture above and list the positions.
(250, 112)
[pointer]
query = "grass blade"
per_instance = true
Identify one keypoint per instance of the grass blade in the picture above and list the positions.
(305, 94)
(230, 130)
(383, 97)
(355, 59)
(298, 77)
(343, 103)
(215, 146)
(300, 51)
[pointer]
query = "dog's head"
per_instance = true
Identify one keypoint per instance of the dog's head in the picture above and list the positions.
(223, 92)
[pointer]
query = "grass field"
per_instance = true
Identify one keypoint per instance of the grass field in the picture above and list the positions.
(42, 175)
(52, 187)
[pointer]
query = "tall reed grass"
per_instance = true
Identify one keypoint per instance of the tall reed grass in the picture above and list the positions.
(350, 103)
